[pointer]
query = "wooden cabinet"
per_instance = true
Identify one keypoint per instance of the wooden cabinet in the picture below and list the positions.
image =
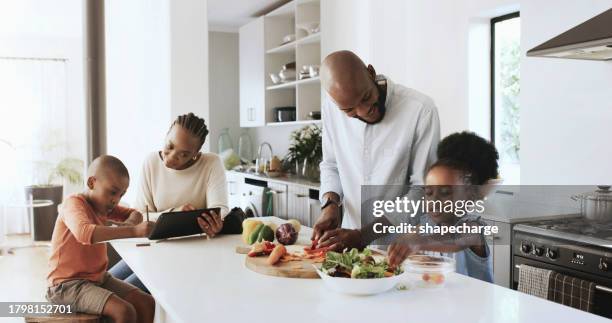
(252, 74)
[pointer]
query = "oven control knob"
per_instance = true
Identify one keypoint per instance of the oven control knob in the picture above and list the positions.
(538, 251)
(603, 265)
(552, 254)
(525, 247)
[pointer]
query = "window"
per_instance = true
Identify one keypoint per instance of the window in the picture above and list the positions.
(43, 134)
(505, 89)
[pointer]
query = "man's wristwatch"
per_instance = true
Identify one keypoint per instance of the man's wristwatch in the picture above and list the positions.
(330, 201)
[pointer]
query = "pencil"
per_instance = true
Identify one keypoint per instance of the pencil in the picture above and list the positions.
(147, 211)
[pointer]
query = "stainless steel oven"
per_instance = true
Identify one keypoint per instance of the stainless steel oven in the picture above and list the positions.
(549, 249)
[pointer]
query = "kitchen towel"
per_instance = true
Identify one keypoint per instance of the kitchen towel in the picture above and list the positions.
(571, 291)
(534, 281)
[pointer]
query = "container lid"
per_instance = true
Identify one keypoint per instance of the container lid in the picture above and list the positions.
(429, 264)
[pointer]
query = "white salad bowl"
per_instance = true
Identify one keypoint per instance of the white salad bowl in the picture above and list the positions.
(359, 287)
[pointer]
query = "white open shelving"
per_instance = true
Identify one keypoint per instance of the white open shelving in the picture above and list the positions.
(304, 94)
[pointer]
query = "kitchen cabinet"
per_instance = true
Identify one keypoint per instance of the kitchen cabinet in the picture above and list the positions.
(501, 253)
(234, 182)
(252, 74)
(290, 200)
(279, 193)
(263, 52)
(297, 202)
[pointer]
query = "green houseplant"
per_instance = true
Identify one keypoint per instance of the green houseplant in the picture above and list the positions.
(51, 188)
(306, 151)
(49, 175)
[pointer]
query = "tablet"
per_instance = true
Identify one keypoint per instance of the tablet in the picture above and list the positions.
(178, 224)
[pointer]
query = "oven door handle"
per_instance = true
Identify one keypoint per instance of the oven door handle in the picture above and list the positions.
(598, 287)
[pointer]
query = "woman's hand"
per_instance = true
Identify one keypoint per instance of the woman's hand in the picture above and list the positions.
(211, 223)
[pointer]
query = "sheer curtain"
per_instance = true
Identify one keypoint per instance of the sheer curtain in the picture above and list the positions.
(32, 130)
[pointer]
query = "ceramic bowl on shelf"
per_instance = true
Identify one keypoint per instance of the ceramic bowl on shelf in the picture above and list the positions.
(289, 66)
(275, 78)
(287, 75)
(310, 27)
(287, 39)
(315, 115)
(313, 70)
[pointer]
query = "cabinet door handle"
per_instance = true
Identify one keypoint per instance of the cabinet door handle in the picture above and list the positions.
(301, 195)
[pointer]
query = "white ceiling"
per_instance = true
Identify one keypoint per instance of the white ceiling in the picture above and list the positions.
(229, 15)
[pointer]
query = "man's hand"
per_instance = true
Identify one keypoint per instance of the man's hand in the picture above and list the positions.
(340, 239)
(329, 220)
(143, 229)
(211, 223)
(401, 248)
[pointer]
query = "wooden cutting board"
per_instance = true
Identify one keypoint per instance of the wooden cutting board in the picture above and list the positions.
(291, 269)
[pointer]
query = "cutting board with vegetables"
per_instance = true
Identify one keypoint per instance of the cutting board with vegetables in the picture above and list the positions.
(298, 268)
(275, 251)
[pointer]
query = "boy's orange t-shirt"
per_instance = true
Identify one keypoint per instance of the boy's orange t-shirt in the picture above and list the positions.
(73, 256)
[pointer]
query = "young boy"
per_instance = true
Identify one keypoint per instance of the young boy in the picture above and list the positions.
(466, 162)
(78, 261)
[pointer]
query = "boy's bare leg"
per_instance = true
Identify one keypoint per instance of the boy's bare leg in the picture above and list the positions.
(144, 305)
(119, 310)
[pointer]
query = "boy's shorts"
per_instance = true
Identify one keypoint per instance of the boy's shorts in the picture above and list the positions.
(85, 296)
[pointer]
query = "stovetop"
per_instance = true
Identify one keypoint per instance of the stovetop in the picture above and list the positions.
(577, 229)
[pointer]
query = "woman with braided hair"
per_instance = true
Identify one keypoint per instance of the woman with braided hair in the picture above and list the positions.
(181, 178)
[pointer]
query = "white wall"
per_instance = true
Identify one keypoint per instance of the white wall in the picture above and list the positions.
(277, 137)
(157, 68)
(566, 105)
(223, 87)
(189, 59)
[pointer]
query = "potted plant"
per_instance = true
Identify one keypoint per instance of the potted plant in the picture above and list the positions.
(51, 188)
(306, 151)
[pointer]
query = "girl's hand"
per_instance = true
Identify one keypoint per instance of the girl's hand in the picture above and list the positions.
(401, 249)
(211, 223)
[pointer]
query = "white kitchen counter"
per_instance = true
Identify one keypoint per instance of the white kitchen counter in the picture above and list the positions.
(285, 179)
(199, 280)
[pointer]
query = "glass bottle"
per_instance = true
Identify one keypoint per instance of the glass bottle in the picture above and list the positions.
(245, 147)
(225, 141)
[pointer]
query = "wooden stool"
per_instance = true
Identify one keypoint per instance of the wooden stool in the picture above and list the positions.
(66, 318)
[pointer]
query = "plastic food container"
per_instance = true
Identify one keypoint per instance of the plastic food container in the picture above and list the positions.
(431, 270)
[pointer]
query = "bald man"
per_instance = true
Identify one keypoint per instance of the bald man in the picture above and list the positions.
(375, 132)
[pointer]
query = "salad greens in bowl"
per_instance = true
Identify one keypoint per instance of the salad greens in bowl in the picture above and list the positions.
(358, 273)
